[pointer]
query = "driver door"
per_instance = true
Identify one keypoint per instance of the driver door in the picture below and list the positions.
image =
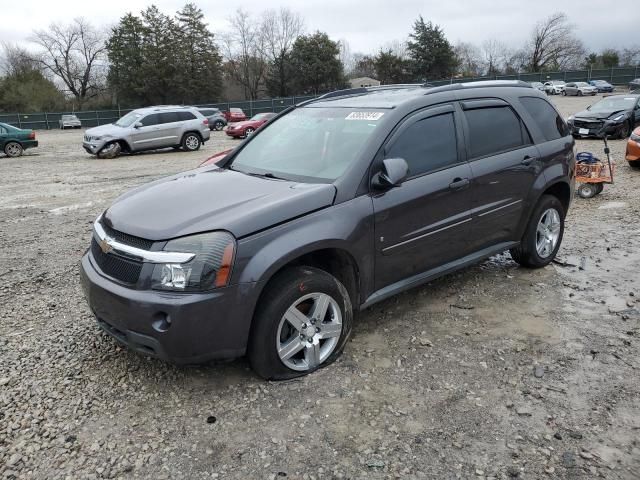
(425, 222)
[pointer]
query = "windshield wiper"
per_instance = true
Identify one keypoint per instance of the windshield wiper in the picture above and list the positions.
(255, 174)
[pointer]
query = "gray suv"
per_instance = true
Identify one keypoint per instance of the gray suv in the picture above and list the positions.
(334, 205)
(149, 129)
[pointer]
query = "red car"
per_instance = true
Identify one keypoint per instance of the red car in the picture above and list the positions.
(234, 115)
(246, 128)
(214, 159)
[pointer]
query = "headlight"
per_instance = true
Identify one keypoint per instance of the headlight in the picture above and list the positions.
(635, 137)
(619, 118)
(570, 119)
(211, 268)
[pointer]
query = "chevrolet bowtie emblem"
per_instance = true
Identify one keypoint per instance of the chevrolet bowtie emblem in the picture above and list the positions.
(105, 246)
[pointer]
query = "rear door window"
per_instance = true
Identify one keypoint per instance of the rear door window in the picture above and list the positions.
(494, 130)
(152, 119)
(183, 116)
(169, 117)
(546, 117)
(427, 145)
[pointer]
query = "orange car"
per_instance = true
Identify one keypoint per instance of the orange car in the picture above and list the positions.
(633, 149)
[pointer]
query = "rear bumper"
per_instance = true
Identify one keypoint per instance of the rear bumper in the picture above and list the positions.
(29, 144)
(178, 327)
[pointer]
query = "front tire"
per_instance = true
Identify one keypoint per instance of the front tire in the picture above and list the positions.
(110, 150)
(624, 131)
(248, 132)
(191, 142)
(302, 323)
(543, 235)
(13, 149)
(635, 165)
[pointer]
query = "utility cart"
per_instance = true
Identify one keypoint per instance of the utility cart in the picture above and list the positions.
(592, 173)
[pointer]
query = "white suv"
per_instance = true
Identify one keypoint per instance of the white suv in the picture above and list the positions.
(149, 129)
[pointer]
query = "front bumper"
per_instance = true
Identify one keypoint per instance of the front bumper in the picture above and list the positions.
(92, 147)
(234, 133)
(183, 328)
(607, 128)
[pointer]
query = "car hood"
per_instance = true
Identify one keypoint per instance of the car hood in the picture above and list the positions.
(213, 199)
(109, 129)
(588, 114)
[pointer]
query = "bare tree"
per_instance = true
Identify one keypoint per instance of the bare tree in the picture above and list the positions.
(630, 57)
(553, 45)
(280, 29)
(493, 53)
(397, 48)
(15, 60)
(244, 51)
(469, 59)
(347, 58)
(75, 54)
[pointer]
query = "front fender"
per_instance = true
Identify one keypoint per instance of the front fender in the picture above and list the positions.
(347, 226)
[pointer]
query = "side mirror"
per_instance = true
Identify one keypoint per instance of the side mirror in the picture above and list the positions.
(394, 172)
(138, 125)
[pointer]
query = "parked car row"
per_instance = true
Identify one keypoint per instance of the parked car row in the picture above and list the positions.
(560, 87)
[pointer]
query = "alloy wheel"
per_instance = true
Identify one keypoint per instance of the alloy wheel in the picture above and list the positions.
(548, 232)
(192, 142)
(13, 149)
(309, 331)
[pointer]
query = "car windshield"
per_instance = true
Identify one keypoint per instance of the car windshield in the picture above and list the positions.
(582, 84)
(612, 104)
(69, 117)
(599, 82)
(557, 82)
(128, 120)
(308, 144)
(260, 116)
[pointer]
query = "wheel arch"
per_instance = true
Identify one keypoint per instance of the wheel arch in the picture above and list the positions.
(187, 132)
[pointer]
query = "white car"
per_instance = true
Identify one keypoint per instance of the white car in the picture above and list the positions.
(554, 87)
(579, 89)
(69, 121)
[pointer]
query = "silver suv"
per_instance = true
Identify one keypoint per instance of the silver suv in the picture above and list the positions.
(149, 129)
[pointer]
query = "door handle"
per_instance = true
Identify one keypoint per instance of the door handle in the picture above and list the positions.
(526, 161)
(459, 183)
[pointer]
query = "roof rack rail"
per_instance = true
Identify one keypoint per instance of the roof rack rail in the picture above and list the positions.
(480, 84)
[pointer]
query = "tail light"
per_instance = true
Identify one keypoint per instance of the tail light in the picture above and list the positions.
(32, 136)
(205, 121)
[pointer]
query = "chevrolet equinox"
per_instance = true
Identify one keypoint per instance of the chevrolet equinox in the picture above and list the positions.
(334, 205)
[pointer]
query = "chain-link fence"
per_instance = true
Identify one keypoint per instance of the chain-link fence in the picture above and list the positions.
(93, 118)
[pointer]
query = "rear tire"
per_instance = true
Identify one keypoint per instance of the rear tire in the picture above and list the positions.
(289, 338)
(588, 190)
(543, 235)
(13, 149)
(110, 150)
(218, 126)
(191, 142)
(635, 165)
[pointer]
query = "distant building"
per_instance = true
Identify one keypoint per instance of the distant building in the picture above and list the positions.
(364, 82)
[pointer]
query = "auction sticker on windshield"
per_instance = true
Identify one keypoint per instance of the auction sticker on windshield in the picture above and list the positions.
(367, 116)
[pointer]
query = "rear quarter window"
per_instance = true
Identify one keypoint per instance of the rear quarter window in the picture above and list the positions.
(546, 118)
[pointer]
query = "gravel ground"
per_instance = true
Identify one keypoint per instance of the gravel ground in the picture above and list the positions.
(492, 372)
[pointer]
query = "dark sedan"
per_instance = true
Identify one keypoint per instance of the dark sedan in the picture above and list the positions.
(615, 115)
(602, 85)
(13, 141)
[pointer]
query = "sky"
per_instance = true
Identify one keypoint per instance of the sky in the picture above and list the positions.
(364, 24)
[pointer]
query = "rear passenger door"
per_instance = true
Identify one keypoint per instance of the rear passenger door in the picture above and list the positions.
(504, 163)
(423, 223)
(170, 129)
